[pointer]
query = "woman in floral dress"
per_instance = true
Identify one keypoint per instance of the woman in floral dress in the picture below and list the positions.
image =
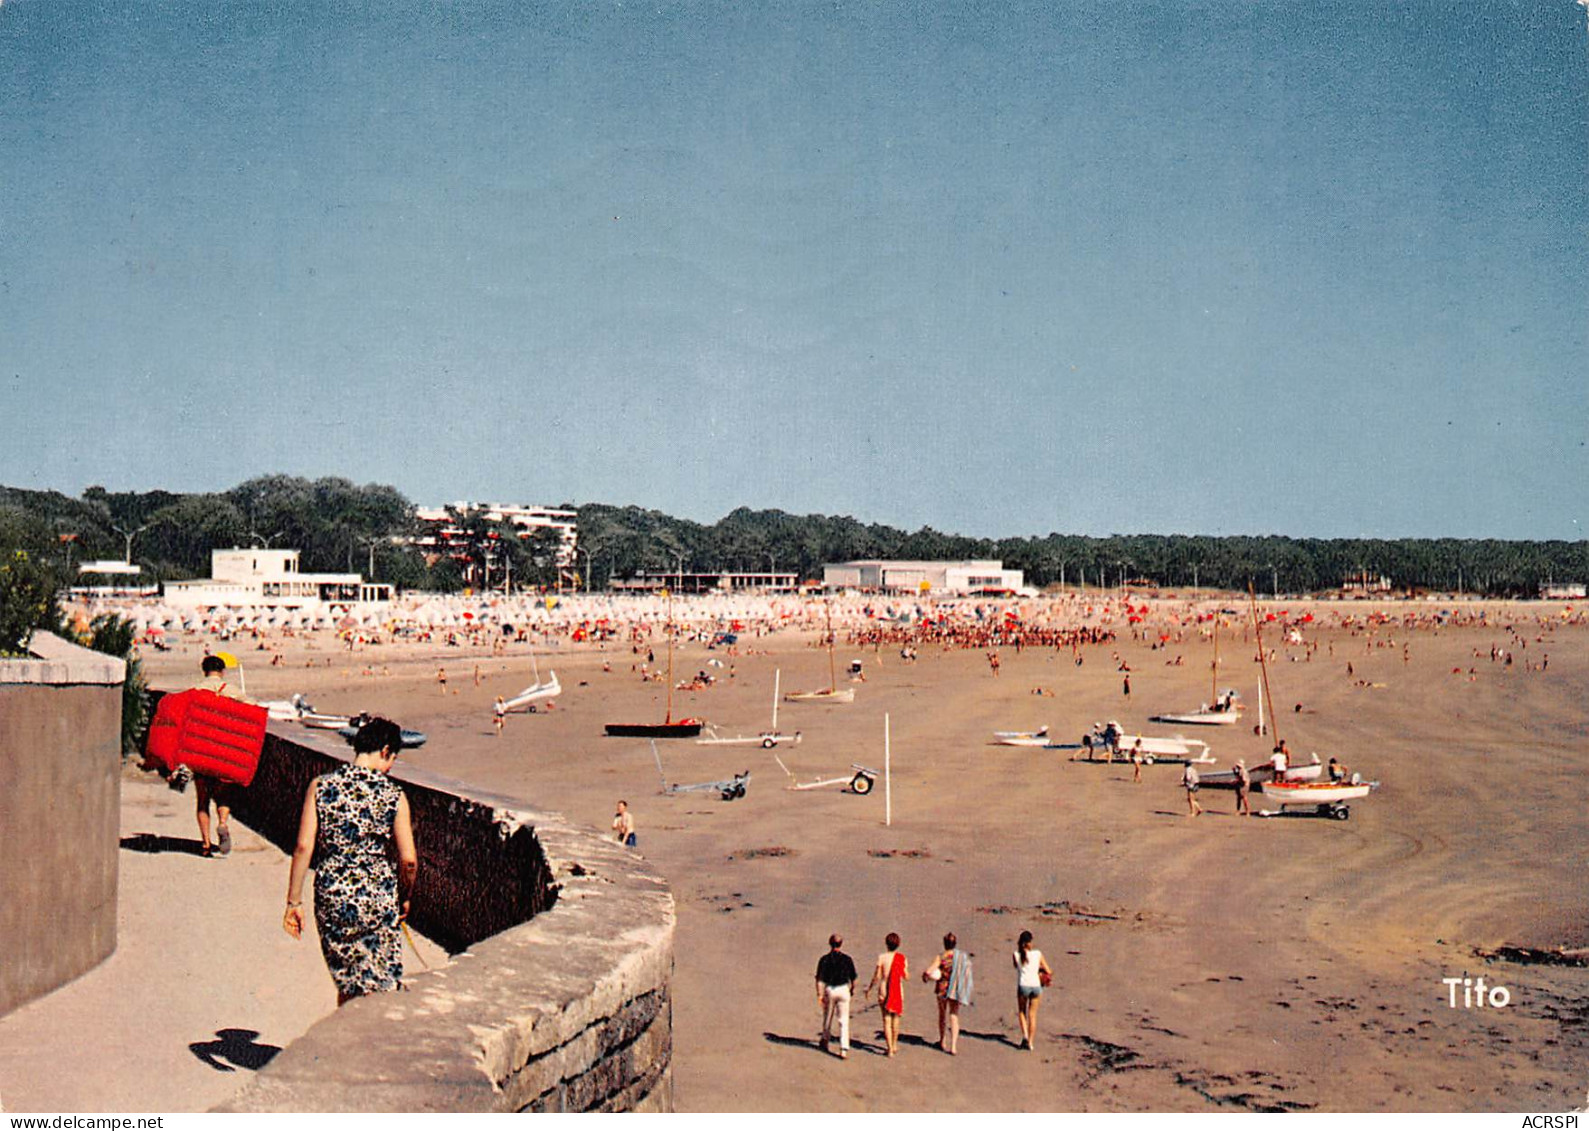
(353, 819)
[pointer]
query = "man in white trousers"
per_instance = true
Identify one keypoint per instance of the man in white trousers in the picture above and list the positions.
(835, 985)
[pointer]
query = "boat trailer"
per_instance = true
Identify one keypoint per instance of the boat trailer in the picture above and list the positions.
(729, 788)
(860, 781)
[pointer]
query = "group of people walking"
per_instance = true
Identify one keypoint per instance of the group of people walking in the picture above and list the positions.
(950, 976)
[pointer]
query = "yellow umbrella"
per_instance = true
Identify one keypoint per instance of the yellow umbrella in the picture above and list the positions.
(232, 661)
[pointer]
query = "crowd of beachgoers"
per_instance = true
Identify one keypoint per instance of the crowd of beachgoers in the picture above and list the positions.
(1059, 621)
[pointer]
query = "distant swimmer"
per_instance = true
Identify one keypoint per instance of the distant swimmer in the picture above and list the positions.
(623, 825)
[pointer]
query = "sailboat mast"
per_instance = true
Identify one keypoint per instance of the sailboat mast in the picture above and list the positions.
(1263, 664)
(1213, 699)
(777, 675)
(833, 678)
(669, 719)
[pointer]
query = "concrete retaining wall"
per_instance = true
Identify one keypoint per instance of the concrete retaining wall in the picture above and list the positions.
(561, 1001)
(60, 815)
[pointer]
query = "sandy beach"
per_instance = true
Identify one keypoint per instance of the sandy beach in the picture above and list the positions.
(1201, 964)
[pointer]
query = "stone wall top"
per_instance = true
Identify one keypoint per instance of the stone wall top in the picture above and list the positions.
(61, 662)
(565, 1004)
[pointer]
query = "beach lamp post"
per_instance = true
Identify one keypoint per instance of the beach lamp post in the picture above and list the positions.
(130, 535)
(1274, 581)
(581, 550)
(371, 543)
(679, 561)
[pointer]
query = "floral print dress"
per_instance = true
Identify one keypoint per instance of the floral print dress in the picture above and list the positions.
(355, 883)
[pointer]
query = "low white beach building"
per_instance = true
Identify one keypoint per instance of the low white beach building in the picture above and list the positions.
(924, 577)
(271, 579)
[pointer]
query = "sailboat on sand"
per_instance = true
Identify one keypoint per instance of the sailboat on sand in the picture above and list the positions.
(1220, 710)
(1299, 787)
(832, 693)
(537, 692)
(669, 727)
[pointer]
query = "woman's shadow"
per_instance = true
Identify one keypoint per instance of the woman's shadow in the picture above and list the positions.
(816, 1046)
(152, 842)
(237, 1046)
(996, 1038)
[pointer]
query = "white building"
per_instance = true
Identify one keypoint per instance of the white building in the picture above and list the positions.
(112, 567)
(721, 581)
(270, 578)
(924, 577)
(442, 531)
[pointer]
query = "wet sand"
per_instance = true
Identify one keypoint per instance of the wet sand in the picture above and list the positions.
(1202, 964)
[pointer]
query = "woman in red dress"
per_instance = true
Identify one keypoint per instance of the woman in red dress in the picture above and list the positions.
(888, 977)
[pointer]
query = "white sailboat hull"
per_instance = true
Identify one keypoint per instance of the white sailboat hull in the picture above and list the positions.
(1258, 775)
(535, 693)
(832, 695)
(1315, 793)
(1157, 748)
(325, 722)
(1203, 718)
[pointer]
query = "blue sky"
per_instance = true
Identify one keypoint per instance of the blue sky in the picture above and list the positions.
(1234, 267)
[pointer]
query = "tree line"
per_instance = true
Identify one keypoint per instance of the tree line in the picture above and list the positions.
(340, 526)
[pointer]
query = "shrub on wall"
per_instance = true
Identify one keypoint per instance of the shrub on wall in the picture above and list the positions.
(113, 636)
(27, 601)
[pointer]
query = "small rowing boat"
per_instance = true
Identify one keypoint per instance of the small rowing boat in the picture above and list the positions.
(1329, 798)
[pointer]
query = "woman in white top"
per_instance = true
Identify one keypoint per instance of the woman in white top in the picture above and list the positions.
(1030, 966)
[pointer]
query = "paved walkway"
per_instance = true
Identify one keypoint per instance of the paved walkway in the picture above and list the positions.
(203, 989)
